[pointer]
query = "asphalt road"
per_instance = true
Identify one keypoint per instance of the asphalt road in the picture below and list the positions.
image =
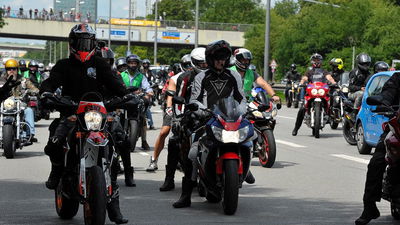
(314, 181)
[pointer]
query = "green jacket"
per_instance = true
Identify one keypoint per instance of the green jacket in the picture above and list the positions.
(137, 81)
(247, 81)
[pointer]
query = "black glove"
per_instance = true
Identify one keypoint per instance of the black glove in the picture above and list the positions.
(7, 87)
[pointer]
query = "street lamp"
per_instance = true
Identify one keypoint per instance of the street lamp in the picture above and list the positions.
(156, 33)
(266, 48)
(109, 27)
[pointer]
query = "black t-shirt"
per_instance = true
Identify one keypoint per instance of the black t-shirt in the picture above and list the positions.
(316, 75)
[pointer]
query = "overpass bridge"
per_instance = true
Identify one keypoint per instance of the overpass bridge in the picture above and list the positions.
(140, 35)
(18, 46)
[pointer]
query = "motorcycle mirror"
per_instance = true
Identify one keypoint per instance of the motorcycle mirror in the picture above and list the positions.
(262, 107)
(101, 44)
(375, 100)
(46, 94)
(178, 100)
(279, 106)
(192, 107)
(170, 93)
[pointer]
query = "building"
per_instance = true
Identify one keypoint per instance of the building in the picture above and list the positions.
(86, 8)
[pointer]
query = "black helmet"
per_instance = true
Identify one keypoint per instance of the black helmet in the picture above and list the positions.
(363, 61)
(22, 65)
(186, 63)
(316, 60)
(293, 67)
(82, 41)
(176, 67)
(218, 50)
(133, 58)
(146, 63)
(108, 54)
(381, 66)
(241, 54)
(34, 63)
(121, 64)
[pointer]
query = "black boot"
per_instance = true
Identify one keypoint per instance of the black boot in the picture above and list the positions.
(294, 132)
(129, 180)
(169, 179)
(369, 213)
(54, 177)
(187, 187)
(250, 178)
(114, 213)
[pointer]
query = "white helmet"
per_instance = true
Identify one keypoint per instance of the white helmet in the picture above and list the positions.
(198, 56)
(41, 67)
(240, 54)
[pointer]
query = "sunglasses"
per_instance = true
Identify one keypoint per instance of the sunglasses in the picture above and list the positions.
(8, 69)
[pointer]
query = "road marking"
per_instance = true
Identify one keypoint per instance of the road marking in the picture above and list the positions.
(356, 159)
(286, 117)
(144, 153)
(290, 144)
(156, 111)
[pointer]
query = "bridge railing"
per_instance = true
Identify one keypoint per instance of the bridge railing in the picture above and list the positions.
(71, 17)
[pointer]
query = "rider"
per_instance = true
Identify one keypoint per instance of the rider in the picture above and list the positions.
(22, 68)
(377, 164)
(121, 65)
(186, 63)
(209, 86)
(150, 78)
(337, 68)
(11, 67)
(291, 76)
(316, 61)
(181, 84)
(358, 77)
(380, 66)
(134, 78)
(33, 73)
(82, 72)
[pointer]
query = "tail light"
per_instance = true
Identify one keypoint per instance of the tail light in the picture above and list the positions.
(32, 104)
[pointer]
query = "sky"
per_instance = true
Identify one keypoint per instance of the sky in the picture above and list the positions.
(119, 8)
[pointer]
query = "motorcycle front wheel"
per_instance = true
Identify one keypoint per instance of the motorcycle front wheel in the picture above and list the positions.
(268, 153)
(395, 211)
(231, 186)
(94, 210)
(9, 141)
(317, 119)
(134, 130)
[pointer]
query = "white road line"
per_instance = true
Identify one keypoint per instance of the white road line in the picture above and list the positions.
(144, 153)
(290, 144)
(356, 159)
(286, 117)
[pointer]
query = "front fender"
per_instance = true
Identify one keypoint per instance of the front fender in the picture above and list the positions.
(8, 120)
(229, 155)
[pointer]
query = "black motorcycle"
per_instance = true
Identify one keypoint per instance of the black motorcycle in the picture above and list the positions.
(293, 95)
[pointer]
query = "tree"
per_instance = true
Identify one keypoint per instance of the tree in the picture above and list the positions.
(2, 23)
(286, 8)
(174, 10)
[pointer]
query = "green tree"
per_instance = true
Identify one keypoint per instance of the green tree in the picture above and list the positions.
(2, 23)
(286, 8)
(174, 10)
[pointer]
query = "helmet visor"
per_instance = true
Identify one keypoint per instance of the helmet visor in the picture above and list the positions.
(83, 44)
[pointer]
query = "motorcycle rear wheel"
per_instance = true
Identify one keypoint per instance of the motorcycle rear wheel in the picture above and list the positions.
(9, 144)
(66, 208)
(317, 119)
(94, 210)
(268, 155)
(231, 186)
(347, 134)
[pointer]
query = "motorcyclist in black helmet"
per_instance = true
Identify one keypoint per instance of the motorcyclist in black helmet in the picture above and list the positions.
(33, 73)
(380, 66)
(358, 77)
(186, 63)
(121, 65)
(291, 76)
(149, 75)
(82, 72)
(108, 55)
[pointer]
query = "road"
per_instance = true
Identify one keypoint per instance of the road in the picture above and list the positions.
(314, 181)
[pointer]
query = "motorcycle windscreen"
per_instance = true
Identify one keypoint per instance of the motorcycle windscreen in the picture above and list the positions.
(344, 79)
(229, 109)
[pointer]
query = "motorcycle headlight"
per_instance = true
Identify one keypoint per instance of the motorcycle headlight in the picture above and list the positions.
(160, 86)
(93, 120)
(257, 114)
(274, 113)
(225, 136)
(314, 91)
(9, 104)
(345, 90)
(217, 133)
(296, 86)
(321, 92)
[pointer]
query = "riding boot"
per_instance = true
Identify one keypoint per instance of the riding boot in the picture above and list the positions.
(54, 177)
(184, 200)
(129, 180)
(169, 178)
(114, 212)
(250, 178)
(369, 213)
(299, 120)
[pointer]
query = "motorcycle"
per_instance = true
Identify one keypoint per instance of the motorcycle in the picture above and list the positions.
(316, 105)
(390, 184)
(88, 158)
(339, 95)
(13, 128)
(264, 147)
(38, 111)
(293, 95)
(224, 153)
(157, 87)
(134, 119)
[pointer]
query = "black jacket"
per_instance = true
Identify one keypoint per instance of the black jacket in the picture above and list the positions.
(391, 90)
(293, 76)
(336, 75)
(184, 84)
(78, 78)
(357, 80)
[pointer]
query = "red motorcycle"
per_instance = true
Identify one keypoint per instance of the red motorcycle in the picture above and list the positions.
(316, 106)
(390, 184)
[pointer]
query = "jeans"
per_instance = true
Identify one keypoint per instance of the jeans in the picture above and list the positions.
(149, 117)
(302, 93)
(30, 120)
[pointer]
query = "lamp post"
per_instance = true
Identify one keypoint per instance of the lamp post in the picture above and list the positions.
(128, 51)
(196, 26)
(156, 33)
(109, 26)
(266, 48)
